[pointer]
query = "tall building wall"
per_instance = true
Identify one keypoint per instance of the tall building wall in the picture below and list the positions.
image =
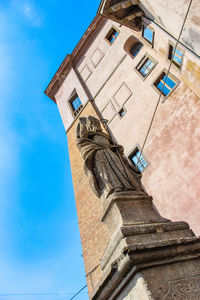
(105, 78)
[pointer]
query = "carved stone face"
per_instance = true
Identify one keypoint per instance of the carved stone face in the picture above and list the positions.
(93, 124)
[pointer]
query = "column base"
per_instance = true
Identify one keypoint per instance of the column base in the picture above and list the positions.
(157, 271)
(148, 257)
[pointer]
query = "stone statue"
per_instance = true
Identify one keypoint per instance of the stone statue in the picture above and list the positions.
(105, 165)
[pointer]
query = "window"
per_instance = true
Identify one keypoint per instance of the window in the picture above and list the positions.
(138, 160)
(166, 84)
(75, 104)
(135, 49)
(148, 34)
(146, 65)
(112, 35)
(132, 46)
(122, 112)
(175, 55)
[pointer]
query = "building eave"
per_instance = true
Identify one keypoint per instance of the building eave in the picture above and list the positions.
(72, 58)
(100, 6)
(125, 12)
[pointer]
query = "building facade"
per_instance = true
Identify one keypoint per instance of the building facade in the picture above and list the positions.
(119, 74)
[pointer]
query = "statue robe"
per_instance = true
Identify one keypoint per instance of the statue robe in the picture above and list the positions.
(106, 167)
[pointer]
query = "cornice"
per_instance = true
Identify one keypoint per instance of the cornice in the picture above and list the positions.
(125, 12)
(72, 58)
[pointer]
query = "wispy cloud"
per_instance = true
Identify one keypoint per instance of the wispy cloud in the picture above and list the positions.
(30, 12)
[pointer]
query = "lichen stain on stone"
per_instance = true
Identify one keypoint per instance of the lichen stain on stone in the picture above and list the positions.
(191, 76)
(162, 51)
(196, 99)
(196, 20)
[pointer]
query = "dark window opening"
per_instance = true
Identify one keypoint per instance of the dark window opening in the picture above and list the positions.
(135, 49)
(175, 55)
(165, 84)
(112, 35)
(122, 112)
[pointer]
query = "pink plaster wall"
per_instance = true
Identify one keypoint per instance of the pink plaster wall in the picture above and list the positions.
(173, 150)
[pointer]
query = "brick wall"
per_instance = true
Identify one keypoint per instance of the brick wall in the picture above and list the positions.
(94, 235)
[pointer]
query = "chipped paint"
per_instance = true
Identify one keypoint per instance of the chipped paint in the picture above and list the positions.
(191, 76)
(163, 51)
(196, 20)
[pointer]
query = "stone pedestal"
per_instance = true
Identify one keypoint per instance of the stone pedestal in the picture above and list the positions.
(177, 281)
(148, 256)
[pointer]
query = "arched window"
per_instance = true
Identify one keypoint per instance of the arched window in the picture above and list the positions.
(132, 46)
(135, 49)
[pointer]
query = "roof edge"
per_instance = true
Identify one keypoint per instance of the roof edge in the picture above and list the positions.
(67, 63)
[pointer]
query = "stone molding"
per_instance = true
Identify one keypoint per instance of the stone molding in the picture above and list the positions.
(130, 263)
(85, 72)
(96, 57)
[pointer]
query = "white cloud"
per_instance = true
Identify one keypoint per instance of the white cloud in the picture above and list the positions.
(30, 12)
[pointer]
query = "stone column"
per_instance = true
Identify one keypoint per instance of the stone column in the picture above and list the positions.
(148, 257)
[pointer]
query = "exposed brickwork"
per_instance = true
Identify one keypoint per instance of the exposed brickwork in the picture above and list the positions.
(94, 235)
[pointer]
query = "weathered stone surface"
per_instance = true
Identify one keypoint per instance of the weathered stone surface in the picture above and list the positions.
(175, 281)
(123, 240)
(124, 12)
(129, 209)
(160, 267)
(184, 288)
(140, 290)
(105, 165)
(179, 281)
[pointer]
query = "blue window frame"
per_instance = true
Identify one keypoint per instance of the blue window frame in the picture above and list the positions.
(146, 67)
(148, 34)
(135, 49)
(165, 83)
(138, 160)
(76, 103)
(176, 56)
(112, 35)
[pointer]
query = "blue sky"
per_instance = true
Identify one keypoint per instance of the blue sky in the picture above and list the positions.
(40, 248)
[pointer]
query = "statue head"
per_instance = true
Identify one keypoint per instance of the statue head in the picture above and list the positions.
(93, 124)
